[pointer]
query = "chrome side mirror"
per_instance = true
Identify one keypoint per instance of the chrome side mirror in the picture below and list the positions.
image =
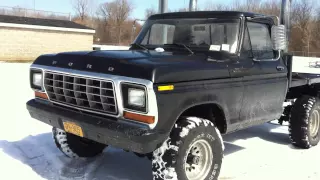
(279, 37)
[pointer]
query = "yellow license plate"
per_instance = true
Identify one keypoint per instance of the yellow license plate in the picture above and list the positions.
(73, 128)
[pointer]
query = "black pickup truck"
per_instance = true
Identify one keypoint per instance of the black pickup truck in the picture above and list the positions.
(187, 79)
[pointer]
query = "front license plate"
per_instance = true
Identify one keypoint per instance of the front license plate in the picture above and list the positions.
(73, 128)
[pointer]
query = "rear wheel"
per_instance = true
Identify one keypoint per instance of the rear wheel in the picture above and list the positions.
(194, 151)
(304, 122)
(74, 146)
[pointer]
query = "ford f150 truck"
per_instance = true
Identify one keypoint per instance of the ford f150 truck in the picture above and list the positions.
(187, 79)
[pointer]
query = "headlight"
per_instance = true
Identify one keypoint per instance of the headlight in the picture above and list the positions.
(36, 79)
(136, 97)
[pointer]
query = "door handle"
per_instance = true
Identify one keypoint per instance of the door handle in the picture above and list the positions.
(235, 70)
(280, 68)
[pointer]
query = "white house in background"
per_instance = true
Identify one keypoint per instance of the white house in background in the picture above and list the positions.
(25, 38)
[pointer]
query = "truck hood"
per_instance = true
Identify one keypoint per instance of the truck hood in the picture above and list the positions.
(164, 67)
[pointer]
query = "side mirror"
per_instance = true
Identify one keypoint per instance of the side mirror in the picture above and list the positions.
(279, 37)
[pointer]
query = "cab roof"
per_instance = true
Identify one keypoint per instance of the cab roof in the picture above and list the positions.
(205, 14)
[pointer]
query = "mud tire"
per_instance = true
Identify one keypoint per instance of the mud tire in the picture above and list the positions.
(168, 161)
(74, 146)
(299, 122)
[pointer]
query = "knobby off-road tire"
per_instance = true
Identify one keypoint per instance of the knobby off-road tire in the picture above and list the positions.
(192, 141)
(74, 146)
(304, 122)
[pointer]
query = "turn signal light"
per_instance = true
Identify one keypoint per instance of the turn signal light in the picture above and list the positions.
(166, 88)
(41, 95)
(139, 117)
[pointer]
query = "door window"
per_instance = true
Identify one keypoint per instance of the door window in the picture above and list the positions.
(260, 41)
(246, 51)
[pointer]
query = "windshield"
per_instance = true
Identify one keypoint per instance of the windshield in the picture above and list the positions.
(208, 34)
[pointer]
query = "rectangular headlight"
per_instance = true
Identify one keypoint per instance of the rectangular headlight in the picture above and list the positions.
(36, 79)
(136, 97)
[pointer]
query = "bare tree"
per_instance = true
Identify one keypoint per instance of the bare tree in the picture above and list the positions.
(271, 7)
(115, 13)
(317, 29)
(257, 6)
(184, 9)
(19, 11)
(303, 20)
(253, 5)
(211, 6)
(248, 5)
(150, 11)
(236, 5)
(82, 8)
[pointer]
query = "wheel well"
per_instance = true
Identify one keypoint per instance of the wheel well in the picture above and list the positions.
(297, 92)
(212, 112)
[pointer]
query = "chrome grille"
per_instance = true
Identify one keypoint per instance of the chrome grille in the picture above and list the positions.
(82, 92)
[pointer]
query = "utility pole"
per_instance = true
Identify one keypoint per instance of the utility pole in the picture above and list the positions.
(193, 5)
(34, 8)
(163, 8)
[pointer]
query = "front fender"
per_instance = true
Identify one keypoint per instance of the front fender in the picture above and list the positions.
(172, 104)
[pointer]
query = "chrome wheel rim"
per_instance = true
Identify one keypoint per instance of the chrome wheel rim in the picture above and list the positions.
(199, 160)
(315, 123)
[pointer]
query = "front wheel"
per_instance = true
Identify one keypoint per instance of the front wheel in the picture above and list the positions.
(74, 146)
(194, 151)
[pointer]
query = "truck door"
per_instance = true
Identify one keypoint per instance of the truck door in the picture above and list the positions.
(265, 82)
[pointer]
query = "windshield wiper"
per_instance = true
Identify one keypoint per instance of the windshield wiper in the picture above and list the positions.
(140, 46)
(180, 44)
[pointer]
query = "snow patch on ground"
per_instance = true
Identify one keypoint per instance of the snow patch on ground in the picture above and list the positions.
(27, 150)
